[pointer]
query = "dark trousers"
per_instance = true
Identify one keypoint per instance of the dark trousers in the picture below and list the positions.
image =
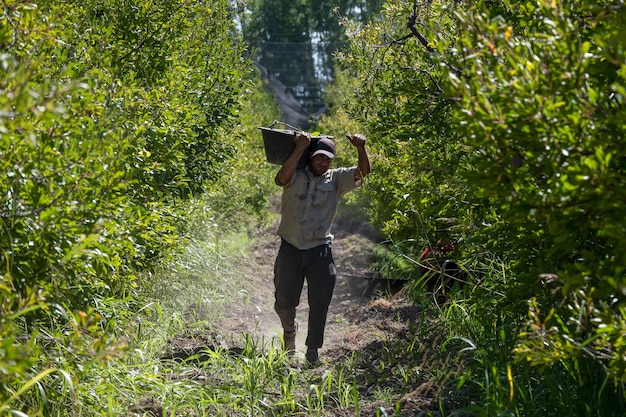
(291, 268)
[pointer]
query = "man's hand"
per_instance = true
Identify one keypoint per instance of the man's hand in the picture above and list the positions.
(363, 166)
(302, 139)
(357, 140)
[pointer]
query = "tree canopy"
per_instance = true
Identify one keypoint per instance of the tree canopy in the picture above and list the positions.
(111, 115)
(500, 127)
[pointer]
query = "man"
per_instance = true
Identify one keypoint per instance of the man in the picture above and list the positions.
(309, 205)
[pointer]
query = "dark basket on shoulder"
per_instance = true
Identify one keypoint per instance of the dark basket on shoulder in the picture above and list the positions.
(279, 143)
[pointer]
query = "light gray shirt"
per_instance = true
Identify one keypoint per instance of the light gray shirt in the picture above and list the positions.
(309, 205)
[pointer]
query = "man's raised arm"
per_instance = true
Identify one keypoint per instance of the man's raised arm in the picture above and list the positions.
(363, 165)
(285, 174)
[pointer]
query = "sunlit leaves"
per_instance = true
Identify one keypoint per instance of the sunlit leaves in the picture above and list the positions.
(111, 114)
(536, 104)
(519, 113)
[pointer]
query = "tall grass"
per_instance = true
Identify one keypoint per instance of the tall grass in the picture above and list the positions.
(241, 376)
(482, 327)
(455, 358)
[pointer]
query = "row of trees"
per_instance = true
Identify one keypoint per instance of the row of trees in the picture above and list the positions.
(296, 40)
(112, 114)
(500, 127)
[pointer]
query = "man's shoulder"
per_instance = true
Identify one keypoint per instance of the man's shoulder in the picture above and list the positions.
(339, 172)
(298, 173)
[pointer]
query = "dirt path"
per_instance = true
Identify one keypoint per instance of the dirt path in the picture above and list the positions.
(357, 324)
(254, 314)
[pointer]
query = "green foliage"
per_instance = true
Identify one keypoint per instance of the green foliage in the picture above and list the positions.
(500, 126)
(244, 196)
(111, 115)
(295, 42)
(540, 107)
(418, 155)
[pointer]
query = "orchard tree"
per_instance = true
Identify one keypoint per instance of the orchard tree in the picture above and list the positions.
(541, 108)
(419, 195)
(111, 115)
(501, 127)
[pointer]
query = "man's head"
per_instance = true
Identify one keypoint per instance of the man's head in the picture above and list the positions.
(323, 146)
(322, 154)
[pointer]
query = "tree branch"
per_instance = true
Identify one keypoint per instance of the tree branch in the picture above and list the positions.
(412, 26)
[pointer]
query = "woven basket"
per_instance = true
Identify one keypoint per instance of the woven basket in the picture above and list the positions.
(279, 143)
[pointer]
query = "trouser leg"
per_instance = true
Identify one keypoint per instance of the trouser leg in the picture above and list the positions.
(288, 283)
(321, 276)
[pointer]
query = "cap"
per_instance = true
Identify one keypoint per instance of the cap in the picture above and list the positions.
(324, 146)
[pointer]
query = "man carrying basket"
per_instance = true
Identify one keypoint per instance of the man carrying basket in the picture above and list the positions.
(309, 205)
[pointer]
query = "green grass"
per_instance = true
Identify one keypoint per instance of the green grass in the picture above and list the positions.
(246, 377)
(456, 358)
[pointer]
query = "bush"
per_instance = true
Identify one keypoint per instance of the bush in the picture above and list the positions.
(500, 127)
(111, 116)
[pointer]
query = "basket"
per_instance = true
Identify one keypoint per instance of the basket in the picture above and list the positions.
(279, 143)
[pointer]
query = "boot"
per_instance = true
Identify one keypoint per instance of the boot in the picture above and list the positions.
(289, 340)
(312, 357)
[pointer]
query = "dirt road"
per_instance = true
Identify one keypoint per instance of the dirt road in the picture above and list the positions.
(356, 324)
(253, 313)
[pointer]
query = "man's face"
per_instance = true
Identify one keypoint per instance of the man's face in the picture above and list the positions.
(320, 164)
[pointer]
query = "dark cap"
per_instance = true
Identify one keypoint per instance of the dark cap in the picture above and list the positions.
(324, 146)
